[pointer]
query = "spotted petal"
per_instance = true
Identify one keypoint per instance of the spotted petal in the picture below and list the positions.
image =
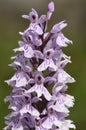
(47, 63)
(40, 89)
(19, 78)
(64, 77)
(50, 121)
(36, 28)
(30, 109)
(58, 27)
(19, 128)
(62, 40)
(28, 51)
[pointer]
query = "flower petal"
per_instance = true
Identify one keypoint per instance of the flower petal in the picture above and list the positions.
(52, 65)
(64, 77)
(43, 66)
(30, 109)
(46, 93)
(28, 51)
(58, 27)
(47, 124)
(60, 42)
(35, 88)
(36, 28)
(19, 128)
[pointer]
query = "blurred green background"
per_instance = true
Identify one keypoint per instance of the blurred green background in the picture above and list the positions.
(74, 11)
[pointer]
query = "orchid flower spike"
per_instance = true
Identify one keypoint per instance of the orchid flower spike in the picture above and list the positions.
(38, 100)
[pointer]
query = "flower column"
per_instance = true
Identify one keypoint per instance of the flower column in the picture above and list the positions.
(38, 99)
